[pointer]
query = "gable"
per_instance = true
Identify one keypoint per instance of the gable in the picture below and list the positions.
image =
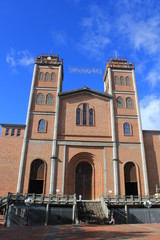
(97, 121)
(84, 91)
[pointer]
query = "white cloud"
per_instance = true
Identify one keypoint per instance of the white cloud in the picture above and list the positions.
(23, 58)
(95, 35)
(59, 37)
(150, 112)
(10, 60)
(142, 34)
(141, 67)
(153, 76)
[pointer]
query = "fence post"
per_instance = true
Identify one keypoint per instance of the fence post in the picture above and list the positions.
(7, 207)
(47, 214)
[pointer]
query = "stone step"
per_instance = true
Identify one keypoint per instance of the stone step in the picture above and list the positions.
(2, 217)
(90, 212)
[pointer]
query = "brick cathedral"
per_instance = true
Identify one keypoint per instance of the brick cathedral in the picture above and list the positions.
(81, 141)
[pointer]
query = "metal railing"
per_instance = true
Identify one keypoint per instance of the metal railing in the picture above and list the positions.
(131, 200)
(42, 199)
(3, 202)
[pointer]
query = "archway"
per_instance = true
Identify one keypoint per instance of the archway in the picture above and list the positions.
(36, 181)
(84, 180)
(130, 175)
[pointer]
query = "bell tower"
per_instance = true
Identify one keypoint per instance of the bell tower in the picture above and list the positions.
(127, 138)
(40, 139)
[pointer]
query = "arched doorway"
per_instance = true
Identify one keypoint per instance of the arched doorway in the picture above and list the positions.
(36, 181)
(130, 175)
(84, 180)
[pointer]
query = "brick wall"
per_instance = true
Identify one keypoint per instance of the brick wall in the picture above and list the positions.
(152, 149)
(10, 152)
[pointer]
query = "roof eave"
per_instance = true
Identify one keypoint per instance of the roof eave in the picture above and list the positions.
(85, 90)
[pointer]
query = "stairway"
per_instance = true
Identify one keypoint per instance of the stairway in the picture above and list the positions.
(3, 203)
(91, 212)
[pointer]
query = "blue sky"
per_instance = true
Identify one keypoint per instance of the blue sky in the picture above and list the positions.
(86, 34)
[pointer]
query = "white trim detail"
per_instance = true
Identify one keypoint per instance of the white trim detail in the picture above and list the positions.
(46, 89)
(120, 70)
(54, 145)
(48, 67)
(41, 140)
(115, 157)
(123, 92)
(85, 144)
(82, 144)
(64, 166)
(123, 116)
(43, 113)
(105, 173)
(24, 147)
(144, 166)
(128, 144)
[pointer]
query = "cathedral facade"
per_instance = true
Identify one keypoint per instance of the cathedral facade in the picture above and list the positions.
(82, 141)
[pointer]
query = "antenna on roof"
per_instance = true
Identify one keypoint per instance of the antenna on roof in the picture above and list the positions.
(116, 54)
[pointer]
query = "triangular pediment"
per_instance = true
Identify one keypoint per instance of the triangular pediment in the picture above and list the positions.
(85, 90)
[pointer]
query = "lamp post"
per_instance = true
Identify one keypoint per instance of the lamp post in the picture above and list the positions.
(28, 201)
(148, 204)
(57, 191)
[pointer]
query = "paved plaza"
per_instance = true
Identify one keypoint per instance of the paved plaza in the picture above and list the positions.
(99, 232)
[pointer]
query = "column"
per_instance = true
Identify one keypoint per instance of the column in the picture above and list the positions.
(115, 158)
(144, 166)
(54, 145)
(64, 166)
(105, 173)
(24, 147)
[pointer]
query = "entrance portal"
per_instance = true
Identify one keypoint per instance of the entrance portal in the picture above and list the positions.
(36, 177)
(84, 180)
(130, 179)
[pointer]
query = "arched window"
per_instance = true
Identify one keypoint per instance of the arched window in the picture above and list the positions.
(49, 99)
(126, 129)
(121, 81)
(84, 114)
(129, 102)
(7, 132)
(53, 78)
(47, 77)
(40, 99)
(42, 125)
(91, 116)
(41, 75)
(78, 112)
(13, 132)
(18, 132)
(119, 102)
(116, 80)
(127, 81)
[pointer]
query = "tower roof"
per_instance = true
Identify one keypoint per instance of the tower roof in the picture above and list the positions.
(120, 64)
(49, 60)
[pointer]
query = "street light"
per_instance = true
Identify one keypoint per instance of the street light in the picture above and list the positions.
(28, 201)
(57, 192)
(148, 204)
